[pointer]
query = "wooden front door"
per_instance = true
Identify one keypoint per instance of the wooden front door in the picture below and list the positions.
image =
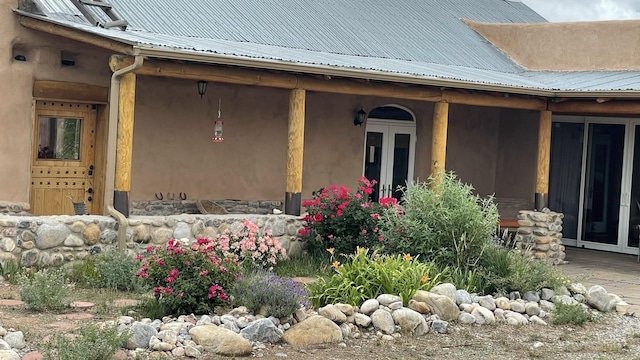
(62, 164)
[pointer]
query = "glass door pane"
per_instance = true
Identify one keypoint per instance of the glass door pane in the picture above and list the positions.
(565, 169)
(400, 165)
(605, 150)
(373, 161)
(634, 208)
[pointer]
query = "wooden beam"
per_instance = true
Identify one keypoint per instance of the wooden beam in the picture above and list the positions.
(295, 152)
(62, 90)
(77, 35)
(485, 99)
(242, 76)
(613, 107)
(439, 138)
(544, 158)
(124, 143)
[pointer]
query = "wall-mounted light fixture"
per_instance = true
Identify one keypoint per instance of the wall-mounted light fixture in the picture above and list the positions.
(361, 116)
(202, 87)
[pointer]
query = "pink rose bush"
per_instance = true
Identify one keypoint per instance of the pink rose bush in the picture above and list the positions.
(344, 220)
(194, 278)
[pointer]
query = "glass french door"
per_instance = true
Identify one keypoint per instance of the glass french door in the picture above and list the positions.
(389, 157)
(594, 181)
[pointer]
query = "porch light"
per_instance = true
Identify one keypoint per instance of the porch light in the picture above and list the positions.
(361, 116)
(217, 131)
(202, 87)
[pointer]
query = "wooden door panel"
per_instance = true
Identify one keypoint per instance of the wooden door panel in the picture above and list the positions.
(63, 157)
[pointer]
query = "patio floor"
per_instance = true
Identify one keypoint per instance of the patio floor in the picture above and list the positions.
(617, 273)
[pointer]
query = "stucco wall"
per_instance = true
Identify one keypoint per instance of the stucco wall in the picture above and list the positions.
(517, 154)
(472, 145)
(597, 45)
(43, 55)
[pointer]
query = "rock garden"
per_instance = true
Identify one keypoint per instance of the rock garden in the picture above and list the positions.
(422, 278)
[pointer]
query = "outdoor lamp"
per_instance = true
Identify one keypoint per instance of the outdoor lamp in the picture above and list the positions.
(361, 116)
(202, 87)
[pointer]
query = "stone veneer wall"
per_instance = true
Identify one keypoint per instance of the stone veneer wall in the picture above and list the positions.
(540, 235)
(14, 208)
(41, 241)
(172, 207)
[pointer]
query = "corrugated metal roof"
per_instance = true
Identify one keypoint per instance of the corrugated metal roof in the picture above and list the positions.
(430, 43)
(414, 30)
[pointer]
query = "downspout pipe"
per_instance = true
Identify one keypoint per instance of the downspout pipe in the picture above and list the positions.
(112, 135)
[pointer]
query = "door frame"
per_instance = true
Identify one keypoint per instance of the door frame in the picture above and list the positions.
(389, 128)
(621, 245)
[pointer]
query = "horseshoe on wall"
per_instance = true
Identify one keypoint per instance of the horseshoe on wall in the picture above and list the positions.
(159, 197)
(183, 196)
(171, 197)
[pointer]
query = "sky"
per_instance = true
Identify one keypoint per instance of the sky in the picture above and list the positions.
(585, 10)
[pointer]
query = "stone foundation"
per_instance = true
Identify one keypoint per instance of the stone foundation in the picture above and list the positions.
(14, 208)
(41, 241)
(540, 235)
(173, 207)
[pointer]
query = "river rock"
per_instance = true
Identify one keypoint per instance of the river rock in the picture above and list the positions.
(446, 289)
(369, 306)
(440, 305)
(262, 330)
(220, 341)
(383, 321)
(315, 329)
(410, 320)
(598, 298)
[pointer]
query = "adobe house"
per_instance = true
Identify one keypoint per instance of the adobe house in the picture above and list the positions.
(117, 104)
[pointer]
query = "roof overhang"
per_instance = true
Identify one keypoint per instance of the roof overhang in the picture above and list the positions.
(110, 39)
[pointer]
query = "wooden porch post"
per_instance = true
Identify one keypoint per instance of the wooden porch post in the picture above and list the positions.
(295, 152)
(124, 143)
(544, 157)
(439, 137)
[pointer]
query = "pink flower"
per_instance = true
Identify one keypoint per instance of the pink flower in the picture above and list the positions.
(180, 294)
(376, 216)
(364, 231)
(160, 262)
(170, 279)
(174, 272)
(139, 257)
(330, 236)
(203, 273)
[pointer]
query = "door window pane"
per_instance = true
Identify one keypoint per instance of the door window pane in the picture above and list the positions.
(58, 138)
(400, 165)
(603, 183)
(564, 172)
(373, 161)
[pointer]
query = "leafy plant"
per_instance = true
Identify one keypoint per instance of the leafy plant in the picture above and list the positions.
(340, 219)
(574, 314)
(44, 290)
(112, 269)
(189, 279)
(506, 270)
(364, 276)
(442, 220)
(278, 296)
(11, 271)
(312, 264)
(249, 246)
(93, 342)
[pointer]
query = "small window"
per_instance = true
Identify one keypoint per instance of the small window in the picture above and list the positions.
(58, 138)
(391, 113)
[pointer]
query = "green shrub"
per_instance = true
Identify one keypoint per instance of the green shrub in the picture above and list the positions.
(11, 271)
(442, 220)
(505, 270)
(44, 290)
(309, 264)
(150, 308)
(92, 342)
(277, 296)
(109, 270)
(363, 276)
(340, 219)
(574, 314)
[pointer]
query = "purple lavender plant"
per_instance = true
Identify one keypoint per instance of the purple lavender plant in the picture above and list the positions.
(281, 297)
